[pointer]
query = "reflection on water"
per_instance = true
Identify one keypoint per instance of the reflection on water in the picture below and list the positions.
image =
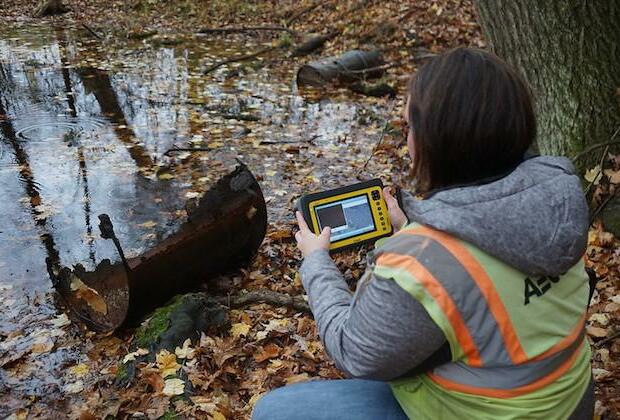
(83, 131)
(84, 128)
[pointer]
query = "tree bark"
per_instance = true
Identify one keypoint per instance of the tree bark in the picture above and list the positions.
(50, 8)
(569, 52)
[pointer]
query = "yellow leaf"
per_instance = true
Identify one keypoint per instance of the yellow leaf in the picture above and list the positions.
(148, 225)
(239, 329)
(218, 416)
(90, 295)
(79, 370)
(166, 176)
(173, 387)
(593, 175)
(167, 363)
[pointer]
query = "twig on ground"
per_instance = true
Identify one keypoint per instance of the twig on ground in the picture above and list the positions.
(602, 205)
(270, 297)
(186, 149)
(608, 339)
(240, 58)
(92, 31)
(385, 127)
(600, 170)
(589, 149)
(310, 140)
(242, 29)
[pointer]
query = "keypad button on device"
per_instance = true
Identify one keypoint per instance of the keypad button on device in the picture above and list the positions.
(375, 195)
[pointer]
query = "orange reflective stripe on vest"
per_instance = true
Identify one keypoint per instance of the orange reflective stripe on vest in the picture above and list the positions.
(443, 299)
(479, 275)
(494, 361)
(515, 391)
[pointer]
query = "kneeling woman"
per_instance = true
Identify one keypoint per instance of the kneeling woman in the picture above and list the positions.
(475, 308)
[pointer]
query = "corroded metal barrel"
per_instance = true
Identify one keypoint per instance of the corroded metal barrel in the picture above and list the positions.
(223, 232)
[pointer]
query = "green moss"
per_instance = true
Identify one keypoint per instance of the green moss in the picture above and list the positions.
(285, 40)
(122, 374)
(169, 415)
(149, 332)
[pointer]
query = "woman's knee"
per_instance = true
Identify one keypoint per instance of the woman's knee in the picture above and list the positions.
(272, 405)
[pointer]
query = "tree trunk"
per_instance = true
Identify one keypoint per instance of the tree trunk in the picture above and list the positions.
(569, 53)
(50, 8)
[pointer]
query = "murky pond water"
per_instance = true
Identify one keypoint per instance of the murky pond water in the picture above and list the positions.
(84, 130)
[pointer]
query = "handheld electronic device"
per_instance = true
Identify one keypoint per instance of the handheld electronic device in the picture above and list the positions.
(357, 214)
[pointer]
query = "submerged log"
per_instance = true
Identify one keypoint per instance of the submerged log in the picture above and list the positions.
(344, 69)
(223, 232)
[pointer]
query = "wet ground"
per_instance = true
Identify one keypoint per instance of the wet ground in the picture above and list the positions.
(84, 130)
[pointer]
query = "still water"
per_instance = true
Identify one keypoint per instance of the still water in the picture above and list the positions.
(85, 127)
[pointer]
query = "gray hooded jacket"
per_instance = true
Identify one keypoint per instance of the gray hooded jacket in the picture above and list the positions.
(534, 219)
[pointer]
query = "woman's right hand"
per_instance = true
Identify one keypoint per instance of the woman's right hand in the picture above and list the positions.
(397, 215)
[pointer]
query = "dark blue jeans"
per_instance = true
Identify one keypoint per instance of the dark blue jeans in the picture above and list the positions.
(339, 399)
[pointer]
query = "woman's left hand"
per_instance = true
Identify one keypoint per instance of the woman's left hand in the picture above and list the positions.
(308, 242)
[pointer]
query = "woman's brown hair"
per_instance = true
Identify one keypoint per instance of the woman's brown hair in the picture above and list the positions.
(471, 116)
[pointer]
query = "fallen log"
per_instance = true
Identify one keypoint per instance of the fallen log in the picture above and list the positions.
(314, 43)
(223, 232)
(343, 69)
(376, 90)
(246, 29)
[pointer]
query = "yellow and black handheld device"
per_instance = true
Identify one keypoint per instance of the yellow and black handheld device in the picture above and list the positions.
(357, 214)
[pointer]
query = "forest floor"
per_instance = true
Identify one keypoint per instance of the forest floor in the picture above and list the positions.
(266, 346)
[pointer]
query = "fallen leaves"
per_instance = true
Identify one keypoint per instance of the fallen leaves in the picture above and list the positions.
(90, 295)
(132, 356)
(167, 363)
(173, 387)
(267, 352)
(239, 329)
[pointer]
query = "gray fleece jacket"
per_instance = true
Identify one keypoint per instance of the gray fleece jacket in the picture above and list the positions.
(534, 219)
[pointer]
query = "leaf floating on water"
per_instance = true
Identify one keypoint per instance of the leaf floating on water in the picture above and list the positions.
(75, 388)
(148, 224)
(166, 176)
(42, 345)
(60, 321)
(79, 370)
(90, 295)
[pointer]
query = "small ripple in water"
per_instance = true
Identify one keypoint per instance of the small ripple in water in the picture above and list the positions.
(44, 131)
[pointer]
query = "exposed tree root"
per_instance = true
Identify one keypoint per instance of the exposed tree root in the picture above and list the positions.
(270, 297)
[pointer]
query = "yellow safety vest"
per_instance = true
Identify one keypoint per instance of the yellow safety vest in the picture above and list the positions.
(518, 343)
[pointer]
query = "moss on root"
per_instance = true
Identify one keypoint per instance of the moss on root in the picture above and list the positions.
(149, 332)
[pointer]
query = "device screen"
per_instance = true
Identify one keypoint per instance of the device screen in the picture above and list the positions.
(347, 218)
